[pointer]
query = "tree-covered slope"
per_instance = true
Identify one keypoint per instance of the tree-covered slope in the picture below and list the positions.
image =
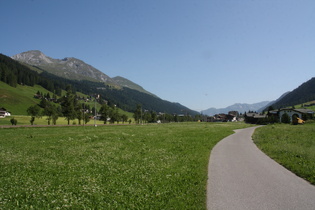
(123, 82)
(304, 93)
(14, 73)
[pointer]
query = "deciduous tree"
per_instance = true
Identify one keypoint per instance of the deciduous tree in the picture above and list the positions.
(33, 111)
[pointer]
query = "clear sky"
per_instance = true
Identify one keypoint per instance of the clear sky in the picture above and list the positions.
(200, 53)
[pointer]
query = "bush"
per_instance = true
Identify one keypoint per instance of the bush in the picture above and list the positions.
(285, 118)
(13, 121)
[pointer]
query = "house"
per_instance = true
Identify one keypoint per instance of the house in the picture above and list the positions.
(232, 116)
(299, 113)
(4, 113)
(253, 117)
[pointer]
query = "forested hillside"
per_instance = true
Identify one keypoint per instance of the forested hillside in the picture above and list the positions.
(13, 73)
(304, 93)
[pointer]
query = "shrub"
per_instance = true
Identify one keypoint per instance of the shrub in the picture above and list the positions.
(285, 118)
(13, 121)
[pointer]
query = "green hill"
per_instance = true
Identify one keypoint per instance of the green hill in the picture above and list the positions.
(17, 99)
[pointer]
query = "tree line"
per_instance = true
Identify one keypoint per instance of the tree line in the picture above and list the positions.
(145, 116)
(69, 107)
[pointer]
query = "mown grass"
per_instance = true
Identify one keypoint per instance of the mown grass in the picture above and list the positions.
(158, 166)
(293, 146)
(25, 120)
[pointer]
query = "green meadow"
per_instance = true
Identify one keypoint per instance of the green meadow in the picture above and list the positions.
(17, 100)
(293, 146)
(154, 166)
(25, 120)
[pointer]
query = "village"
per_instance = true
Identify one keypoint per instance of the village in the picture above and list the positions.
(284, 115)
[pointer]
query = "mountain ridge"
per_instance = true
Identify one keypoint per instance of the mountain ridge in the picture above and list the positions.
(17, 73)
(68, 67)
(124, 82)
(73, 68)
(302, 94)
(240, 107)
(272, 102)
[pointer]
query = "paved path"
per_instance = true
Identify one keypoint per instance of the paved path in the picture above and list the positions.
(242, 177)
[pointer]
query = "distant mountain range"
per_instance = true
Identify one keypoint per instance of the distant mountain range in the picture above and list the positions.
(302, 94)
(272, 103)
(241, 108)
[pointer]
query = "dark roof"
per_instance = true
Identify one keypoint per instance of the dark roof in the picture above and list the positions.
(304, 111)
(255, 115)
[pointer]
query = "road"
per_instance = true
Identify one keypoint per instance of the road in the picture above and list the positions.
(242, 177)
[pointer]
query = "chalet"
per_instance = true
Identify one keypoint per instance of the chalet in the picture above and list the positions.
(300, 113)
(4, 113)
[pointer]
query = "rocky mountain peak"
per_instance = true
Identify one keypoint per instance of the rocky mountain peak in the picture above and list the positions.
(33, 57)
(69, 67)
(72, 68)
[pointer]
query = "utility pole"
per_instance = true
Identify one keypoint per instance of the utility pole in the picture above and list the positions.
(96, 97)
(83, 114)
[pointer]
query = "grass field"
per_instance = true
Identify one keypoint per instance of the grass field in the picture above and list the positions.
(156, 166)
(25, 120)
(293, 146)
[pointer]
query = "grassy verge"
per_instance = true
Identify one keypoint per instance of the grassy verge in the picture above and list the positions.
(291, 146)
(160, 166)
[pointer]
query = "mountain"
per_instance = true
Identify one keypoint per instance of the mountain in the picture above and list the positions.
(302, 94)
(272, 102)
(123, 82)
(74, 69)
(69, 68)
(241, 108)
(15, 73)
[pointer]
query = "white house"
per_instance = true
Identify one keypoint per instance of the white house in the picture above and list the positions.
(4, 113)
(295, 112)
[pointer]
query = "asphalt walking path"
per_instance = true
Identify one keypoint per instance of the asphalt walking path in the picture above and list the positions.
(242, 177)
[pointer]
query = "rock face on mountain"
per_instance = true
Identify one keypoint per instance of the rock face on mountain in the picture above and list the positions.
(34, 57)
(70, 68)
(241, 108)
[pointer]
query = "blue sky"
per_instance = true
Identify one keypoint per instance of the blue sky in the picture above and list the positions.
(200, 53)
